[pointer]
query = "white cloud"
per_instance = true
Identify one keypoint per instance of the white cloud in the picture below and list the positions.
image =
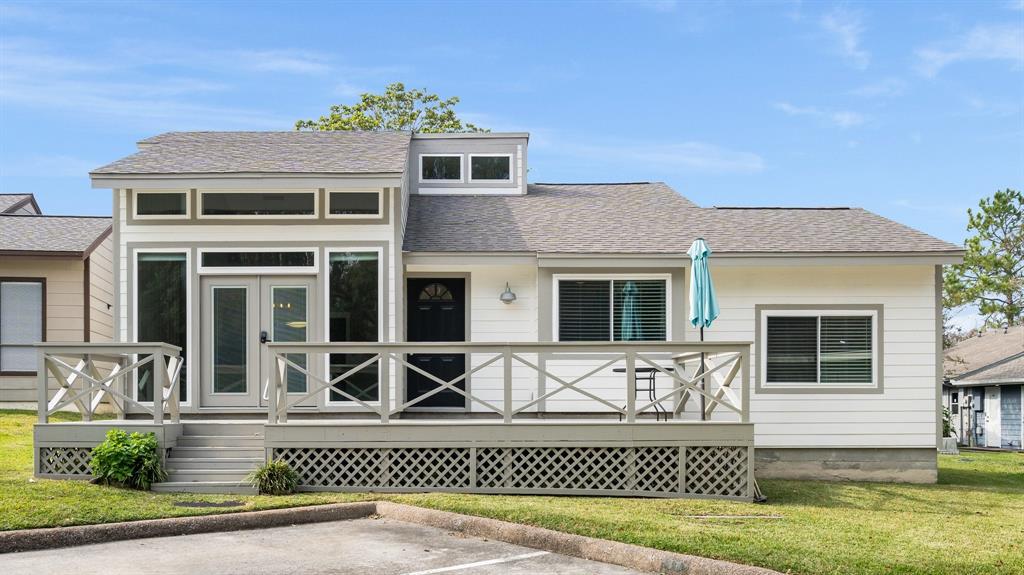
(287, 61)
(839, 118)
(846, 28)
(671, 157)
(983, 42)
(885, 88)
(661, 6)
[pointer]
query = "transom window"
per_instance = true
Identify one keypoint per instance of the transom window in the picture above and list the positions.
(22, 308)
(490, 167)
(160, 204)
(257, 260)
(354, 204)
(620, 309)
(828, 348)
(440, 167)
(255, 204)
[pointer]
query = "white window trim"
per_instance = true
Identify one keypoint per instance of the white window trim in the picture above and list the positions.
(135, 205)
(380, 206)
(381, 316)
(818, 313)
(313, 216)
(213, 342)
(256, 270)
(555, 278)
(190, 344)
(462, 169)
(511, 168)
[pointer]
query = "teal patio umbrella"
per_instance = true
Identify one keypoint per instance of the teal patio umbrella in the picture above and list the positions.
(703, 303)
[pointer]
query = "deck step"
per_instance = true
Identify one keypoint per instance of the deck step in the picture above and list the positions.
(201, 475)
(220, 441)
(232, 487)
(222, 428)
(217, 452)
(177, 463)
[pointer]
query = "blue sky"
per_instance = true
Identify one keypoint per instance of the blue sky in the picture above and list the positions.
(912, 110)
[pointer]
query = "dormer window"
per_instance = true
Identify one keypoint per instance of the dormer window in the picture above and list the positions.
(490, 167)
(440, 168)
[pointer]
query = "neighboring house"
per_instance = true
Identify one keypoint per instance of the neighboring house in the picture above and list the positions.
(984, 384)
(55, 285)
(827, 353)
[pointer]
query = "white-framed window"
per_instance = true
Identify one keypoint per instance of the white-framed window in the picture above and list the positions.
(161, 312)
(258, 260)
(22, 323)
(262, 204)
(614, 307)
(819, 349)
(490, 168)
(440, 168)
(355, 204)
(353, 312)
(161, 205)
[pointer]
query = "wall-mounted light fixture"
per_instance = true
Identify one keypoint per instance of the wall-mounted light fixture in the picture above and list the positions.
(507, 296)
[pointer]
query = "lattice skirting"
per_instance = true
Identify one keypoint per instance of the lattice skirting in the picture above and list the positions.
(665, 471)
(65, 461)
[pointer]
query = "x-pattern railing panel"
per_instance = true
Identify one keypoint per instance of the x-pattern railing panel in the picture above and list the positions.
(723, 364)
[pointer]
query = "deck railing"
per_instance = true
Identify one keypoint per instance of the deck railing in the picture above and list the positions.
(88, 374)
(703, 376)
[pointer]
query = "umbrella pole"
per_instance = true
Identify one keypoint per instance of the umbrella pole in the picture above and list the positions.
(703, 388)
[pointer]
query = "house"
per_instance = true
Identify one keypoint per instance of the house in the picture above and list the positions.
(394, 311)
(55, 285)
(984, 383)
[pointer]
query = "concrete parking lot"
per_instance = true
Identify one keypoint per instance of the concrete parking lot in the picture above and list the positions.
(377, 546)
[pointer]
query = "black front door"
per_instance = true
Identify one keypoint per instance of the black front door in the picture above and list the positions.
(437, 312)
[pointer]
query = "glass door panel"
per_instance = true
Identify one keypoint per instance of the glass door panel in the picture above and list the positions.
(287, 307)
(230, 332)
(229, 341)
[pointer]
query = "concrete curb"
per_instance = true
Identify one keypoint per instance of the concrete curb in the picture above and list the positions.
(55, 537)
(615, 553)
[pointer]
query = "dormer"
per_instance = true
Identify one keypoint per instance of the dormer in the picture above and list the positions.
(477, 164)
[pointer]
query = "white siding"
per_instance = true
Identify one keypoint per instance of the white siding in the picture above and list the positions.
(903, 415)
(101, 292)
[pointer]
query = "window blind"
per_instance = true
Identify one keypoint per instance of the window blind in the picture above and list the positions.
(792, 349)
(639, 310)
(584, 311)
(846, 349)
(21, 322)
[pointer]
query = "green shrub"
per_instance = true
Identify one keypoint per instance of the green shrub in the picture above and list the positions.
(128, 460)
(274, 478)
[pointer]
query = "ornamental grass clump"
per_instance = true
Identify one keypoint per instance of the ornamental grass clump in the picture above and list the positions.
(274, 478)
(128, 460)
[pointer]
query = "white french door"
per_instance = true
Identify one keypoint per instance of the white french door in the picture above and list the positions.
(239, 314)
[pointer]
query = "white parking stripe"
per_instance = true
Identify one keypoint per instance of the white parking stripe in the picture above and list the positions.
(479, 563)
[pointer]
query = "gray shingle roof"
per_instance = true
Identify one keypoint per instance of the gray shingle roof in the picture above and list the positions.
(1009, 371)
(73, 234)
(644, 218)
(9, 200)
(266, 152)
(977, 357)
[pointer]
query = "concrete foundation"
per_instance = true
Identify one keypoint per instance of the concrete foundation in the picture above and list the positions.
(906, 465)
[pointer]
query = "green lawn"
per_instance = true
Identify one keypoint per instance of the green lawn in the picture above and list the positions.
(971, 522)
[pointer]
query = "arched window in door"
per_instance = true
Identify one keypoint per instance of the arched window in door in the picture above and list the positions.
(435, 292)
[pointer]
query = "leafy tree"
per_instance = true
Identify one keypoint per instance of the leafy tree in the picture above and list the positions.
(395, 109)
(992, 275)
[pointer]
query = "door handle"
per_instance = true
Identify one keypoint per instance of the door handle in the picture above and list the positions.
(263, 336)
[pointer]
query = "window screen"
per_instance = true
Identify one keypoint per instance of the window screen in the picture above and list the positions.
(441, 167)
(612, 310)
(819, 349)
(160, 204)
(490, 167)
(21, 324)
